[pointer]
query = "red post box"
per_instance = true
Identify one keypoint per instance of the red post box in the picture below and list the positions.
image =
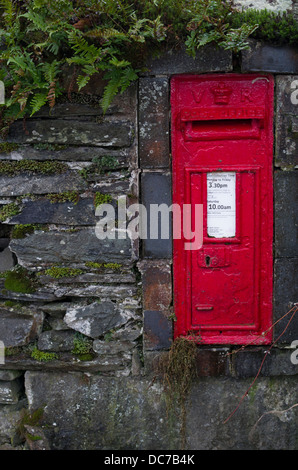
(222, 147)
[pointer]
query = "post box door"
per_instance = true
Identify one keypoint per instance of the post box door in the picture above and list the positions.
(222, 159)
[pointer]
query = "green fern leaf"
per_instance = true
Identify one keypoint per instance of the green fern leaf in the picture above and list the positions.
(37, 102)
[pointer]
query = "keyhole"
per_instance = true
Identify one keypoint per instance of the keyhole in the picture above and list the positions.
(208, 260)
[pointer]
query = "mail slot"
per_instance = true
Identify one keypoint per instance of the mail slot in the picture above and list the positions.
(222, 147)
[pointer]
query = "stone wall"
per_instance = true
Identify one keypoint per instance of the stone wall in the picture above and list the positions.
(85, 321)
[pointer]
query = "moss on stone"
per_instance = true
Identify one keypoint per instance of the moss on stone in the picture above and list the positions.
(9, 210)
(43, 356)
(66, 196)
(21, 230)
(7, 147)
(93, 265)
(20, 280)
(58, 272)
(49, 167)
(100, 198)
(99, 166)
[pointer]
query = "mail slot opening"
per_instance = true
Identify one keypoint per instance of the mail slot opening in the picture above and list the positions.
(224, 125)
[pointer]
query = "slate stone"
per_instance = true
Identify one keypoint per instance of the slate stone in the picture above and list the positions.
(156, 190)
(56, 340)
(263, 57)
(10, 392)
(96, 319)
(103, 412)
(4, 242)
(249, 363)
(69, 154)
(154, 129)
(158, 332)
(18, 329)
(72, 132)
(157, 284)
(64, 213)
(6, 260)
(10, 374)
(286, 132)
(106, 348)
(262, 421)
(53, 247)
(285, 296)
(208, 59)
(41, 184)
(286, 214)
(42, 294)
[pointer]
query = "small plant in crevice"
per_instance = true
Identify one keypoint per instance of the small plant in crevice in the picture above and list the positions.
(29, 418)
(178, 370)
(82, 347)
(9, 210)
(21, 230)
(20, 280)
(100, 198)
(42, 356)
(66, 196)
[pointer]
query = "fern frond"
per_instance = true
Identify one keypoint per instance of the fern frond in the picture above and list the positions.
(9, 11)
(110, 90)
(37, 102)
(50, 70)
(82, 81)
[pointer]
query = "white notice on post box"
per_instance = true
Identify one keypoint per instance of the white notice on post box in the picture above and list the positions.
(221, 204)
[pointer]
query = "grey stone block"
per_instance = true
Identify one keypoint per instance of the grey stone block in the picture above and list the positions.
(264, 420)
(156, 190)
(6, 260)
(68, 153)
(10, 392)
(66, 213)
(158, 331)
(208, 59)
(250, 362)
(267, 58)
(40, 184)
(96, 319)
(56, 341)
(103, 412)
(286, 214)
(53, 247)
(72, 132)
(10, 374)
(18, 328)
(154, 147)
(285, 296)
(286, 132)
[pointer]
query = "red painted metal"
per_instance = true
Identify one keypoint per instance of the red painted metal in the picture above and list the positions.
(222, 138)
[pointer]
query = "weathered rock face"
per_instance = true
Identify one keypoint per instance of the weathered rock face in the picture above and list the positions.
(119, 409)
(96, 319)
(136, 408)
(55, 247)
(40, 184)
(19, 326)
